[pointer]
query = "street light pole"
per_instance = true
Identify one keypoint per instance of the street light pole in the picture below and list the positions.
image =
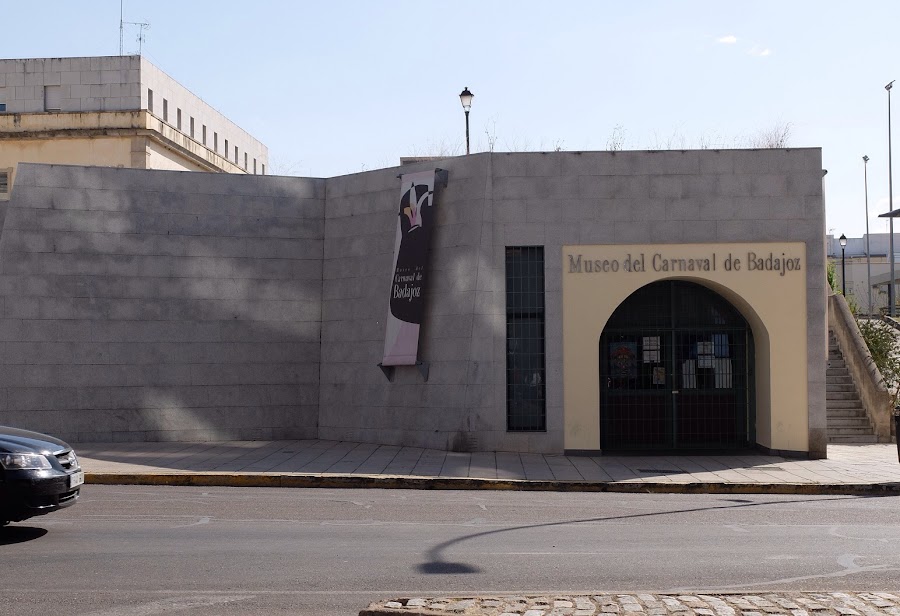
(465, 97)
(467, 131)
(868, 252)
(891, 309)
(843, 241)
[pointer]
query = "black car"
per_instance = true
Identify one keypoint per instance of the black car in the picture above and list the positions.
(38, 474)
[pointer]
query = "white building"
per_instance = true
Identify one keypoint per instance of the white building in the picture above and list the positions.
(853, 261)
(119, 111)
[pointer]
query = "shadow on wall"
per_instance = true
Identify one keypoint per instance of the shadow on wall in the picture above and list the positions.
(144, 305)
(463, 325)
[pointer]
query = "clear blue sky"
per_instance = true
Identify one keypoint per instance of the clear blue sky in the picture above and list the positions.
(337, 87)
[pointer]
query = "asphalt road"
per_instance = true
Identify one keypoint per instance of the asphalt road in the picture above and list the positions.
(142, 551)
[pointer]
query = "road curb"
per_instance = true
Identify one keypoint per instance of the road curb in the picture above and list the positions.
(276, 480)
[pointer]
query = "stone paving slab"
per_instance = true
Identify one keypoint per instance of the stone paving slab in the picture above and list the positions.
(644, 604)
(847, 465)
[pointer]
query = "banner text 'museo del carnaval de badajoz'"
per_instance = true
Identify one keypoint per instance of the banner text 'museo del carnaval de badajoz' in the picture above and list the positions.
(751, 261)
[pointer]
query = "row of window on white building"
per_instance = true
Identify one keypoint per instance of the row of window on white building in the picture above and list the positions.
(203, 135)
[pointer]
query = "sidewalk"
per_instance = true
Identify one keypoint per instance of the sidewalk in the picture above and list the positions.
(849, 469)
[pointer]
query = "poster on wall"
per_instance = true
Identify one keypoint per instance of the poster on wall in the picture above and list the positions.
(623, 360)
(415, 221)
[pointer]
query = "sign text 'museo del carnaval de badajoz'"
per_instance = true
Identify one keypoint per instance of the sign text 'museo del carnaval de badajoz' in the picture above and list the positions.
(712, 262)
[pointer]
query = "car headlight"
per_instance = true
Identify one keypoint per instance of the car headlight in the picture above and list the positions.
(23, 461)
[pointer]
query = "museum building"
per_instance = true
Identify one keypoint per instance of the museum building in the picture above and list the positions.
(577, 302)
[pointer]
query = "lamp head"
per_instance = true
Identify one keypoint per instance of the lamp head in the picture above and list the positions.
(865, 159)
(465, 97)
(889, 86)
(843, 240)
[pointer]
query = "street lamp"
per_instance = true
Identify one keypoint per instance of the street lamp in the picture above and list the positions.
(891, 310)
(868, 252)
(843, 241)
(465, 97)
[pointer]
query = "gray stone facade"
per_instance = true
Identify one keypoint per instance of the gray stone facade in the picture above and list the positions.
(163, 305)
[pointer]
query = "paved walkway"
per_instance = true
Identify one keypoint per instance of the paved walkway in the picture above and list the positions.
(603, 604)
(260, 462)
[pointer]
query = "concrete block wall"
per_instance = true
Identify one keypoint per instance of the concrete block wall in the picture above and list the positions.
(146, 305)
(163, 305)
(455, 407)
(86, 84)
(554, 199)
(526, 199)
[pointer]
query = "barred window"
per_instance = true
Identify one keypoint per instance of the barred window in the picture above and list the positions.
(526, 408)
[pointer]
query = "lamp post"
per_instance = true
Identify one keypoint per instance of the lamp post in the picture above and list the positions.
(843, 241)
(465, 97)
(868, 252)
(891, 309)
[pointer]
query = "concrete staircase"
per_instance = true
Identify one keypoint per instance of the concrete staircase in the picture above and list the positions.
(847, 419)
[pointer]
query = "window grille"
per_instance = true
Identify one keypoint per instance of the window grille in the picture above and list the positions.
(526, 407)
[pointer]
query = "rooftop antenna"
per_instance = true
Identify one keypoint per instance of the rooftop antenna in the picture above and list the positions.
(142, 25)
(121, 27)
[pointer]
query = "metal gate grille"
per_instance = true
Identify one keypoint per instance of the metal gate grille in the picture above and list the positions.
(675, 372)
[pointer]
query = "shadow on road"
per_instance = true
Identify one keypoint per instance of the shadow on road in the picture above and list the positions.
(445, 568)
(436, 564)
(20, 534)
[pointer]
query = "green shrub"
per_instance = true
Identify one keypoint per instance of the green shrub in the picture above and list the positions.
(831, 276)
(882, 344)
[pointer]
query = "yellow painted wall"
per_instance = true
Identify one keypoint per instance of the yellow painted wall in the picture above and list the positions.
(134, 139)
(772, 301)
(96, 151)
(160, 157)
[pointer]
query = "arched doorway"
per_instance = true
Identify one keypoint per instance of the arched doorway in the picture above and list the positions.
(676, 362)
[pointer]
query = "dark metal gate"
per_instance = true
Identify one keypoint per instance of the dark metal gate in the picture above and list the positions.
(676, 363)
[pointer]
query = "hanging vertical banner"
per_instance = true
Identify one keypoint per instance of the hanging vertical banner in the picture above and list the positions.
(414, 226)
